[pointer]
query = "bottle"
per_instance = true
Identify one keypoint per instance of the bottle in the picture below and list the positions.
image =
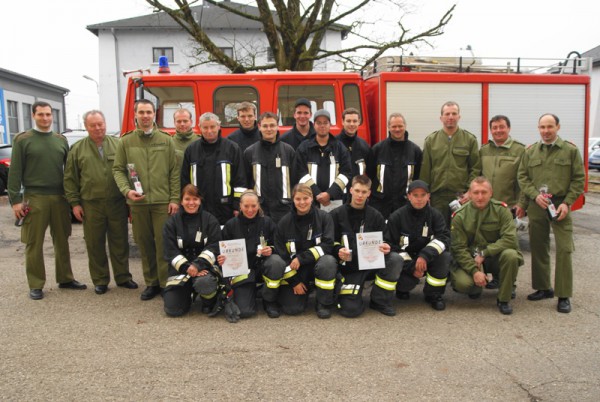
(137, 184)
(25, 208)
(551, 209)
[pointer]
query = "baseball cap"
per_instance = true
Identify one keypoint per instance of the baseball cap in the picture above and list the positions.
(418, 184)
(302, 102)
(322, 112)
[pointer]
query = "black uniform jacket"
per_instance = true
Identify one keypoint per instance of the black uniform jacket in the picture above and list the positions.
(350, 221)
(191, 238)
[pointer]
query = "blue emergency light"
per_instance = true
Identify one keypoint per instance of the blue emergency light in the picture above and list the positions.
(163, 65)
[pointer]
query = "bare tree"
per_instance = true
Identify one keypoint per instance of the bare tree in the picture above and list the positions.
(295, 32)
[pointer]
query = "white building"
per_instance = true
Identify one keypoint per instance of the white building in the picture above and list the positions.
(137, 43)
(595, 91)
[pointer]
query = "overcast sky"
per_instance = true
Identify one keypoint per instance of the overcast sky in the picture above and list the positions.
(48, 40)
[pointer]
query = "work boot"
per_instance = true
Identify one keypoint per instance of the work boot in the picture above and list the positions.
(504, 307)
(323, 311)
(272, 309)
(385, 310)
(437, 302)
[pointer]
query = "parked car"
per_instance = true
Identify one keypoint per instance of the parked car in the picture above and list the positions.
(74, 135)
(594, 160)
(5, 154)
(593, 144)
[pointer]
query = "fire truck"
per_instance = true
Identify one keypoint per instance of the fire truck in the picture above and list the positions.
(413, 86)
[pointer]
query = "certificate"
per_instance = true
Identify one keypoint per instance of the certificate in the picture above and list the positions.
(367, 247)
(332, 205)
(236, 260)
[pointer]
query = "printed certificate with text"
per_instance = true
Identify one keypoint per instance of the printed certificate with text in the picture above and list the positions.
(367, 247)
(236, 260)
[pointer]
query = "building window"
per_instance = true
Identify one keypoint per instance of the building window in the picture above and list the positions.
(228, 51)
(13, 116)
(26, 107)
(270, 55)
(162, 51)
(56, 120)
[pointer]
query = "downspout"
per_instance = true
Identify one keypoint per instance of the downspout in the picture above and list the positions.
(117, 68)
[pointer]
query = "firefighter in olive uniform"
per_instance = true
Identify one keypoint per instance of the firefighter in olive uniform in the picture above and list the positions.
(91, 190)
(269, 166)
(500, 159)
(450, 161)
(323, 163)
(148, 155)
(184, 135)
(418, 232)
(557, 165)
(357, 217)
(484, 240)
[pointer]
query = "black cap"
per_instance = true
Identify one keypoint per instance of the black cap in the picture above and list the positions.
(418, 184)
(302, 102)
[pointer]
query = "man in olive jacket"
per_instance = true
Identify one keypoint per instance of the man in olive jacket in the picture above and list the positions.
(557, 165)
(92, 192)
(149, 154)
(484, 240)
(450, 161)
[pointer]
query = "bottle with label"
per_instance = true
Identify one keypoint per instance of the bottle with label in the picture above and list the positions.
(551, 209)
(135, 179)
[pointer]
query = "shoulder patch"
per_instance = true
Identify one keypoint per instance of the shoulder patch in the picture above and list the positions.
(129, 132)
(569, 142)
(498, 202)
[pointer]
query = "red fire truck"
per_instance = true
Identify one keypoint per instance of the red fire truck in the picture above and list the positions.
(412, 86)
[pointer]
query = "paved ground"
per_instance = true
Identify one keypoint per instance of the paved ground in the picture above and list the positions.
(76, 345)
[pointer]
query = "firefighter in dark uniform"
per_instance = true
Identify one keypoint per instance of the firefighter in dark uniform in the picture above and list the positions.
(357, 217)
(360, 152)
(259, 232)
(396, 163)
(484, 240)
(214, 166)
(557, 165)
(191, 238)
(418, 232)
(304, 240)
(323, 163)
(248, 133)
(303, 128)
(269, 166)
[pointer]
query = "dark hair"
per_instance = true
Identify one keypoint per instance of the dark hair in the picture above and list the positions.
(555, 117)
(498, 118)
(351, 110)
(143, 102)
(396, 115)
(268, 115)
(192, 190)
(361, 179)
(242, 106)
(39, 104)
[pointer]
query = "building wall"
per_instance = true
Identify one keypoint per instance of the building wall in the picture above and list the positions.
(132, 50)
(24, 96)
(595, 104)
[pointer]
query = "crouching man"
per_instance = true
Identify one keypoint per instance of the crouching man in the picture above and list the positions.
(350, 219)
(484, 240)
(419, 233)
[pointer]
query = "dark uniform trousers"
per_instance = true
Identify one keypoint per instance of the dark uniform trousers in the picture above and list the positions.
(271, 269)
(177, 299)
(53, 211)
(349, 290)
(504, 266)
(435, 277)
(323, 272)
(147, 224)
(539, 239)
(106, 219)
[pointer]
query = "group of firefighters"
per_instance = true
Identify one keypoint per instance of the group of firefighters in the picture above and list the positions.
(300, 200)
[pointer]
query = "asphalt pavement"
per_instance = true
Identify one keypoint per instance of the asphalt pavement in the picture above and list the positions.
(76, 345)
